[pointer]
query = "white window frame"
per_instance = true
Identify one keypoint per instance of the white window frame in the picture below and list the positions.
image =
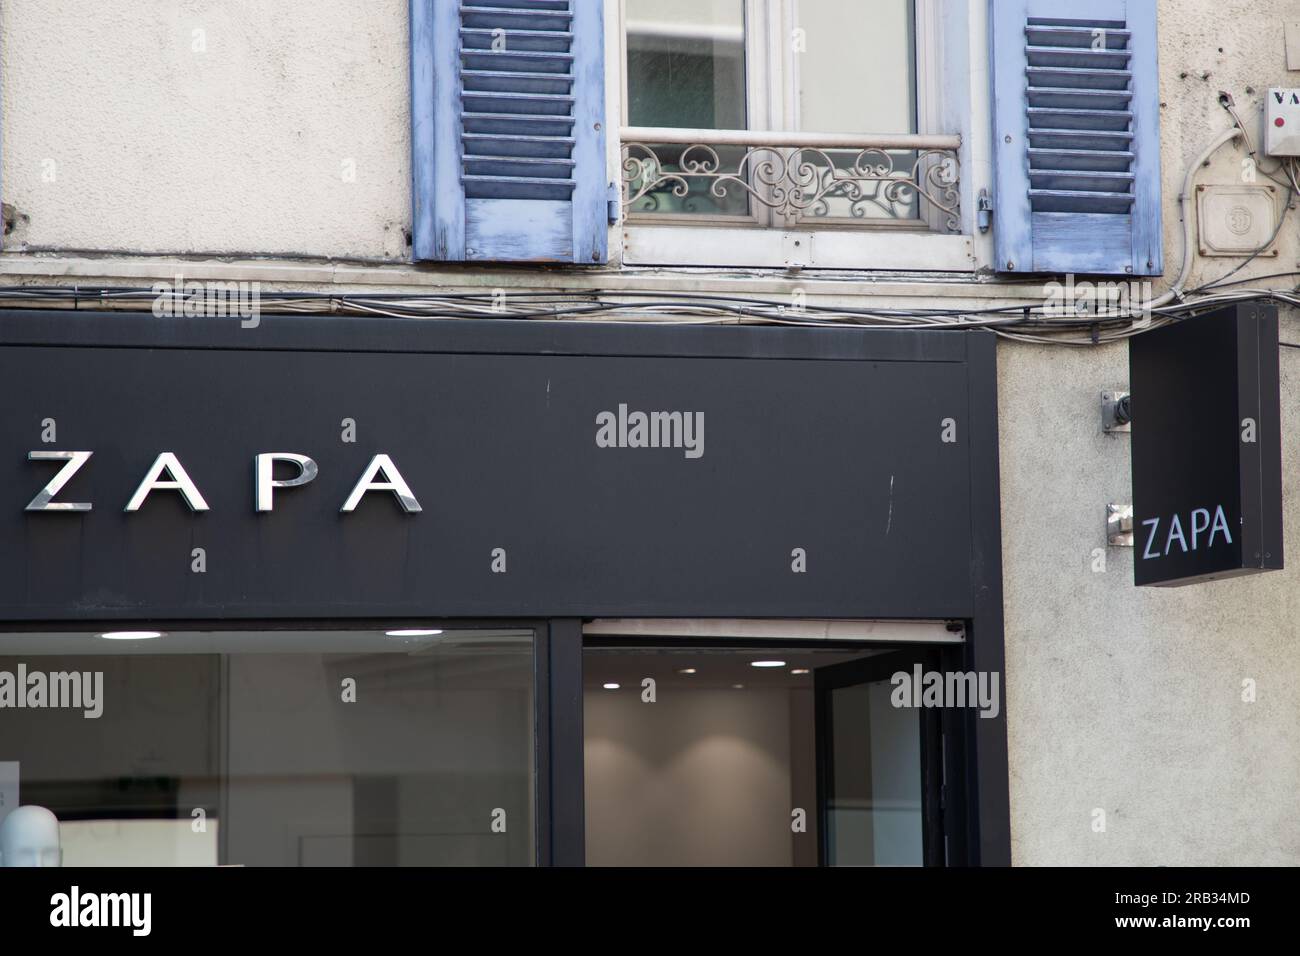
(952, 99)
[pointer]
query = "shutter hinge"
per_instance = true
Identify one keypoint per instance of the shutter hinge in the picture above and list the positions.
(984, 211)
(615, 204)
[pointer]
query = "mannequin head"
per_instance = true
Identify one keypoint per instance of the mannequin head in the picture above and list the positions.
(29, 836)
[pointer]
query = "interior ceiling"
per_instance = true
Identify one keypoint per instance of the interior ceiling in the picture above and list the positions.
(265, 642)
(715, 668)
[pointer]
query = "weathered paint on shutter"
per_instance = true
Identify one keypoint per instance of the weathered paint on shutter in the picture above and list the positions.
(1076, 137)
(508, 130)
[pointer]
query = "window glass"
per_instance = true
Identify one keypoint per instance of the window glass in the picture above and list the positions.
(854, 66)
(274, 748)
(854, 71)
(686, 69)
(686, 63)
(873, 813)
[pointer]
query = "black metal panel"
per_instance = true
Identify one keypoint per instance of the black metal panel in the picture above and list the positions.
(836, 449)
(565, 766)
(1207, 466)
(985, 800)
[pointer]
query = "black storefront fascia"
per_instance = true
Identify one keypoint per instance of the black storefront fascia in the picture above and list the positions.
(869, 455)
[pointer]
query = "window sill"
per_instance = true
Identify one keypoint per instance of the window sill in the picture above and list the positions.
(731, 247)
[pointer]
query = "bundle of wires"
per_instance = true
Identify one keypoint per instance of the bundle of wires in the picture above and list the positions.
(1040, 323)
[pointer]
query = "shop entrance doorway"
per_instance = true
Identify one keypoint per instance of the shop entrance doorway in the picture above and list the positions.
(760, 752)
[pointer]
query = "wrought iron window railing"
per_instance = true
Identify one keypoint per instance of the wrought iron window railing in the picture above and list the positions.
(787, 179)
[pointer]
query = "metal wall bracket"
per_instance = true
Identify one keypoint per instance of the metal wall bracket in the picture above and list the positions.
(984, 211)
(1116, 412)
(797, 250)
(1119, 526)
(615, 201)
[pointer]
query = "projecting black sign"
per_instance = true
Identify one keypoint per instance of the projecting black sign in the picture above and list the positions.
(323, 468)
(1207, 459)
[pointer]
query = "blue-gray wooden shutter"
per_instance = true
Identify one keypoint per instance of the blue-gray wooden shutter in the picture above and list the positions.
(1076, 117)
(508, 130)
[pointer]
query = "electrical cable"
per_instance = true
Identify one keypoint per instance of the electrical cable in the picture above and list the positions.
(1017, 322)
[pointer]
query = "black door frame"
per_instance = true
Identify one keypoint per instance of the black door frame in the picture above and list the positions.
(870, 670)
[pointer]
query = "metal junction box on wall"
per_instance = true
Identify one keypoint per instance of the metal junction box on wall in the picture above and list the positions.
(1237, 220)
(1282, 122)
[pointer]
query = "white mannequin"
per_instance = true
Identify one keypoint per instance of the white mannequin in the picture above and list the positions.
(29, 836)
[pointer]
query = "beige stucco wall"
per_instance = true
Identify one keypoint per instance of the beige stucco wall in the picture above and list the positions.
(1118, 699)
(245, 145)
(1130, 700)
(1207, 46)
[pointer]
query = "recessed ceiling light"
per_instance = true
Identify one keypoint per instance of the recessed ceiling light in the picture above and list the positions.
(687, 670)
(768, 664)
(414, 632)
(610, 686)
(800, 670)
(737, 686)
(130, 635)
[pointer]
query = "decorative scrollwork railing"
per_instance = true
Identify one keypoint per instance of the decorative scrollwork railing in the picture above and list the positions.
(798, 176)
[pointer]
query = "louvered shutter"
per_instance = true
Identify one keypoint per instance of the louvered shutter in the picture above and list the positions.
(508, 134)
(1076, 137)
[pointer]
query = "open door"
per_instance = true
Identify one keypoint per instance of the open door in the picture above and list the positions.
(880, 767)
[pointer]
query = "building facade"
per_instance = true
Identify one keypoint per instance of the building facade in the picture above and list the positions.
(895, 252)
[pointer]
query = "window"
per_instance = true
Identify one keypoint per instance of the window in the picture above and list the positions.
(786, 115)
(249, 748)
